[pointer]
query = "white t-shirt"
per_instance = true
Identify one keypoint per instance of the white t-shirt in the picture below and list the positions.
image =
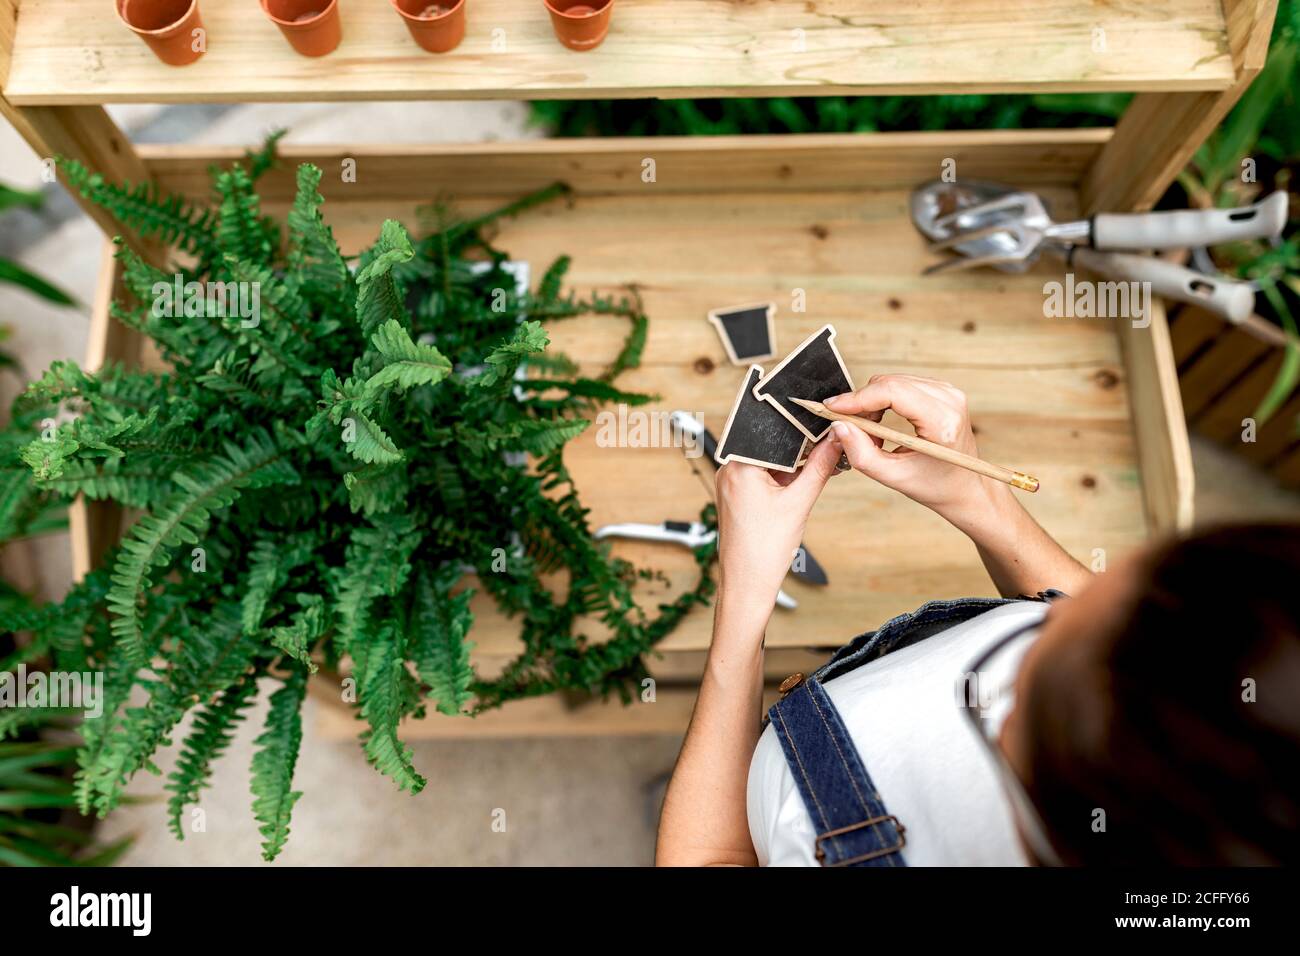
(929, 767)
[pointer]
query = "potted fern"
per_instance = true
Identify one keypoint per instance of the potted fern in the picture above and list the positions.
(315, 487)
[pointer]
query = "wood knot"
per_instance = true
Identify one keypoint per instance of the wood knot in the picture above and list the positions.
(1088, 481)
(968, 326)
(703, 365)
(894, 304)
(818, 230)
(1106, 378)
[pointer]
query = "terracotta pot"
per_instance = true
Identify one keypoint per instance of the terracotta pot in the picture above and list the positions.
(580, 24)
(167, 26)
(437, 25)
(312, 27)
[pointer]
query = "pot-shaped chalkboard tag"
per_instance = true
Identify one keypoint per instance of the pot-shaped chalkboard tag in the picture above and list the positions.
(748, 332)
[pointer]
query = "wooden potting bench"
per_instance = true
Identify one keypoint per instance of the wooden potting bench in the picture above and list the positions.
(1089, 406)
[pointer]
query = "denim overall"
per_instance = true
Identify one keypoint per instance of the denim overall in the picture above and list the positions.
(854, 828)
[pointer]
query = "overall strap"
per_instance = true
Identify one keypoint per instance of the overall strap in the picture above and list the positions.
(853, 826)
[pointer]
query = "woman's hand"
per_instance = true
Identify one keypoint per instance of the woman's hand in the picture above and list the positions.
(761, 519)
(937, 411)
(1019, 555)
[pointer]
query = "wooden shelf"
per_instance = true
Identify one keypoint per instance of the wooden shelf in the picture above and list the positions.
(756, 218)
(74, 52)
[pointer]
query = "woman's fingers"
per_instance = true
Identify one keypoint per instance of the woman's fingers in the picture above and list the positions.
(863, 454)
(936, 410)
(821, 467)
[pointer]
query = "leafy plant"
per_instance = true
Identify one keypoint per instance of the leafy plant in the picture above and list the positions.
(828, 114)
(38, 823)
(315, 487)
(1261, 136)
(11, 271)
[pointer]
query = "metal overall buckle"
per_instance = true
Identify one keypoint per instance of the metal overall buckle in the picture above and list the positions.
(871, 822)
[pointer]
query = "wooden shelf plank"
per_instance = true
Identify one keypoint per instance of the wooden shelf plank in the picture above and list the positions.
(65, 53)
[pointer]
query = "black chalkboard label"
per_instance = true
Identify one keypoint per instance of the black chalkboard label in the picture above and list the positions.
(814, 371)
(756, 433)
(748, 332)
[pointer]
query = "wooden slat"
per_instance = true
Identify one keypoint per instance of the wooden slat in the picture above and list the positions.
(795, 163)
(88, 135)
(1222, 420)
(1287, 470)
(552, 716)
(1231, 355)
(1191, 329)
(1278, 434)
(1164, 452)
(96, 525)
(1160, 132)
(659, 48)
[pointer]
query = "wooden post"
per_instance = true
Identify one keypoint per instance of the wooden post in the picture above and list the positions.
(1160, 132)
(84, 133)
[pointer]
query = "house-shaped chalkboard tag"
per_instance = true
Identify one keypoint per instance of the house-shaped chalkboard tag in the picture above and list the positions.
(748, 332)
(814, 371)
(757, 434)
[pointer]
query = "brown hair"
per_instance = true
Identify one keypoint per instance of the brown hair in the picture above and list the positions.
(1181, 723)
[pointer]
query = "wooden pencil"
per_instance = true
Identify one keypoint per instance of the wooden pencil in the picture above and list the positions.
(1017, 479)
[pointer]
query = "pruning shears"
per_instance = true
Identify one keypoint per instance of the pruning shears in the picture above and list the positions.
(689, 534)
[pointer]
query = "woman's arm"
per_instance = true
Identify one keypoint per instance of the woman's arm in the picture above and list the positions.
(1020, 556)
(761, 520)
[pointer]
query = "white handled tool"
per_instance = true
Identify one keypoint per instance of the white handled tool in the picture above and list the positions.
(1184, 228)
(1227, 298)
(1013, 227)
(691, 534)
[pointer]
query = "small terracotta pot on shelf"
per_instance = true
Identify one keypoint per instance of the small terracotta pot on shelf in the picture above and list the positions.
(437, 25)
(312, 27)
(580, 24)
(167, 26)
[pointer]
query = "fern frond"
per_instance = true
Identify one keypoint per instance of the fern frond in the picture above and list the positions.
(242, 232)
(440, 622)
(313, 253)
(503, 361)
(377, 489)
(380, 692)
(379, 299)
(270, 561)
(274, 762)
(203, 490)
(405, 364)
(309, 624)
(537, 436)
(208, 739)
(170, 219)
(377, 564)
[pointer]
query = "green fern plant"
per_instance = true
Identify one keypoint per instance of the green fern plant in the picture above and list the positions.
(314, 489)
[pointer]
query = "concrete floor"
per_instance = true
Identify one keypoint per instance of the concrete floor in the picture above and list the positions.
(578, 801)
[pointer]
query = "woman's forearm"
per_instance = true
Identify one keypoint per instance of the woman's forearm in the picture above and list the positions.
(1019, 555)
(704, 821)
